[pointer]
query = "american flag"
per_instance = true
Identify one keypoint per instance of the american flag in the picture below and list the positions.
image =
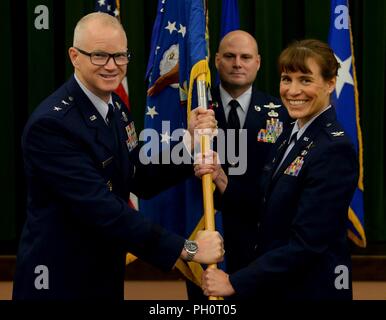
(178, 51)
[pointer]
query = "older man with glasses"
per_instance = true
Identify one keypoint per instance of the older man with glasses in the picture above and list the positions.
(81, 160)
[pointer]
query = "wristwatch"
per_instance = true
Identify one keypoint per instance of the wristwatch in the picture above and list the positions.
(191, 248)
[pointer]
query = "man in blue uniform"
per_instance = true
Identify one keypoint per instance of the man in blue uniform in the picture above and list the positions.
(81, 160)
(261, 118)
(239, 105)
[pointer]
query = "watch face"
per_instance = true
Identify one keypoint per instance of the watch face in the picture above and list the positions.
(191, 246)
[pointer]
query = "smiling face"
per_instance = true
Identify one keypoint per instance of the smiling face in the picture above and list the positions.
(97, 36)
(237, 62)
(305, 94)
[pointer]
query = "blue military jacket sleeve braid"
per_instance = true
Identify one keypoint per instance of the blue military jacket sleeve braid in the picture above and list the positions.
(303, 234)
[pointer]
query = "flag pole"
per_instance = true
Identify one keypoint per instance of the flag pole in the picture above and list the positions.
(207, 183)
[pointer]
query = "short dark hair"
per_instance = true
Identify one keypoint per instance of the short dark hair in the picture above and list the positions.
(294, 58)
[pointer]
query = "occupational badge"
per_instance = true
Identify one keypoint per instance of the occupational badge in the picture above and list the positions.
(271, 107)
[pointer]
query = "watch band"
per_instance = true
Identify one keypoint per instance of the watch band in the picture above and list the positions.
(191, 249)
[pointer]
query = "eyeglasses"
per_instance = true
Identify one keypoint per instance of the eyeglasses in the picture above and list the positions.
(101, 58)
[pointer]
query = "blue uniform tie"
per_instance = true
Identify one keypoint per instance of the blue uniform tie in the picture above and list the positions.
(233, 118)
(234, 123)
(112, 123)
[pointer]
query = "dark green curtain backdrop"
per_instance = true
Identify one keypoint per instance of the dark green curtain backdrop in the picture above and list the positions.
(35, 62)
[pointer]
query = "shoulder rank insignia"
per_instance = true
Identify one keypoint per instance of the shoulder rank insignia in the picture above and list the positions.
(57, 108)
(338, 133)
(272, 131)
(257, 108)
(65, 103)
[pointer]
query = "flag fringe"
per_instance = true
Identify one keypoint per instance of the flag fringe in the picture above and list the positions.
(361, 242)
(359, 130)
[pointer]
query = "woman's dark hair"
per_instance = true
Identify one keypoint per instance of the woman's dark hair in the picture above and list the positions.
(294, 58)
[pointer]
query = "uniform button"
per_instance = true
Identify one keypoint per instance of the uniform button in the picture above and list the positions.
(256, 247)
(258, 225)
(263, 199)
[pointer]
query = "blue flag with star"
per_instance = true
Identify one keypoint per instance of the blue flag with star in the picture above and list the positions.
(345, 100)
(178, 53)
(229, 17)
(230, 21)
(107, 6)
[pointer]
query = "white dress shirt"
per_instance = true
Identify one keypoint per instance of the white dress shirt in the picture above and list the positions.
(299, 132)
(99, 104)
(244, 100)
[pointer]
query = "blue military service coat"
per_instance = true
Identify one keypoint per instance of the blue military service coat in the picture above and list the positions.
(79, 226)
(302, 244)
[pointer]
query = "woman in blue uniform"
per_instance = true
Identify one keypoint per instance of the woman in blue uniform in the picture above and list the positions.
(301, 247)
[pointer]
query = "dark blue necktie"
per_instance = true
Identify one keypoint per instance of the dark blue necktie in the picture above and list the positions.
(280, 153)
(233, 118)
(293, 138)
(234, 123)
(112, 124)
